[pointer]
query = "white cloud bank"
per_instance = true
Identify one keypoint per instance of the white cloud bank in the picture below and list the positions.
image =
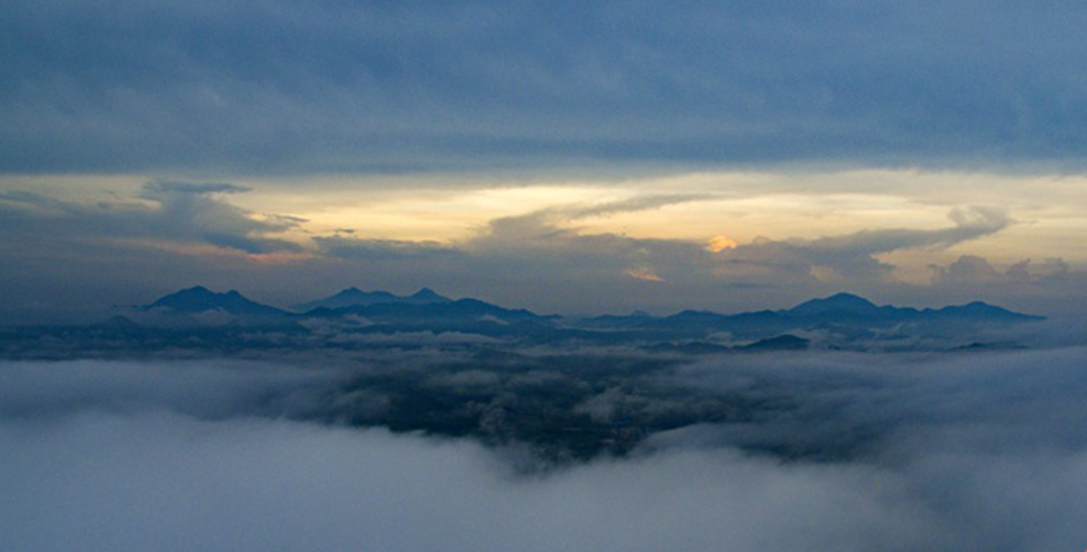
(170, 472)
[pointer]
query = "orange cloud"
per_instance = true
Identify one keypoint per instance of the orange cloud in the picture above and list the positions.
(643, 273)
(718, 244)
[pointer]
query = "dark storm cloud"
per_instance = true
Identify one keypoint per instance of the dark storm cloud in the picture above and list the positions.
(287, 87)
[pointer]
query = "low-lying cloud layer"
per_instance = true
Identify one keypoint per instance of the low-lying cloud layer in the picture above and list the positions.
(981, 451)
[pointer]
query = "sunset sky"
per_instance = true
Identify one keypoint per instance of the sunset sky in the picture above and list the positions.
(564, 156)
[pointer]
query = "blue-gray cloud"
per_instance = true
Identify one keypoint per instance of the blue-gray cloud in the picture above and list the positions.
(975, 271)
(177, 212)
(853, 256)
(287, 87)
(543, 238)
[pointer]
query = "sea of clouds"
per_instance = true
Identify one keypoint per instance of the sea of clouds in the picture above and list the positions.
(975, 451)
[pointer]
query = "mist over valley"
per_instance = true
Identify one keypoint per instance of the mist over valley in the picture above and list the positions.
(415, 422)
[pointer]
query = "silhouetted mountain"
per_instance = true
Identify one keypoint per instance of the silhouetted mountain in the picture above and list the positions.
(349, 297)
(426, 296)
(979, 310)
(353, 296)
(842, 303)
(199, 299)
(205, 320)
(434, 314)
(846, 316)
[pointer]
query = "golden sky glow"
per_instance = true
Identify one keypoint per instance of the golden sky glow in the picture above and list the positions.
(1050, 211)
(733, 208)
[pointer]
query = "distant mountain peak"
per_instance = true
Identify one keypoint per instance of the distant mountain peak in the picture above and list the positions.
(843, 296)
(349, 292)
(985, 310)
(425, 296)
(199, 299)
(839, 302)
(195, 290)
(354, 297)
(427, 293)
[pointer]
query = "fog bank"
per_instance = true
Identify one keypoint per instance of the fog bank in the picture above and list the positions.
(983, 452)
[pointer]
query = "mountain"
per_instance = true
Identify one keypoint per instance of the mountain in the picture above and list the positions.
(199, 299)
(979, 310)
(347, 298)
(842, 320)
(426, 296)
(843, 317)
(839, 304)
(352, 297)
(433, 314)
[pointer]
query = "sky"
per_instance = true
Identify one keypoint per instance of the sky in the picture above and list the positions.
(564, 156)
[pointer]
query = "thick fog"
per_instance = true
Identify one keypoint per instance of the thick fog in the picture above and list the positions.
(975, 451)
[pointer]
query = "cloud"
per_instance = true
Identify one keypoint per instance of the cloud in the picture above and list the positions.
(632, 205)
(348, 247)
(537, 238)
(158, 188)
(178, 212)
(849, 259)
(68, 261)
(206, 389)
(546, 248)
(982, 452)
(1049, 285)
(282, 88)
(552, 222)
(973, 270)
(853, 256)
(566, 267)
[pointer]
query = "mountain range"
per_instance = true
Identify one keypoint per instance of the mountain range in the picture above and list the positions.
(203, 321)
(354, 297)
(841, 320)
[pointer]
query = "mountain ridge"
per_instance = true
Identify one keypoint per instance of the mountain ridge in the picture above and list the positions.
(353, 296)
(846, 317)
(198, 317)
(198, 299)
